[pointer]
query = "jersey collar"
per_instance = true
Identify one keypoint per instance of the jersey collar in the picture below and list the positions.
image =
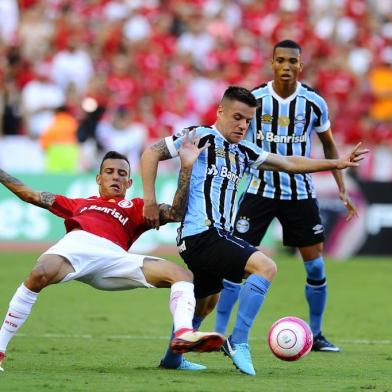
(279, 98)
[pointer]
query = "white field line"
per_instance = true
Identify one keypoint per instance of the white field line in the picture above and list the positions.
(148, 337)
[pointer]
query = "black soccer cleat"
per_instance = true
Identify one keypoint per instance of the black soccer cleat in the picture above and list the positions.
(320, 343)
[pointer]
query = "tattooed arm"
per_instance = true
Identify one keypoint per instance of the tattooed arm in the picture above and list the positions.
(189, 153)
(175, 212)
(149, 167)
(40, 199)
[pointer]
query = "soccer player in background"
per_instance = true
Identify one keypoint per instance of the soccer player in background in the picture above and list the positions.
(288, 114)
(100, 230)
(205, 239)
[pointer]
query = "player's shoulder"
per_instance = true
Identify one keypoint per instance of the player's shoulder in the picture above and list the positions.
(135, 202)
(260, 91)
(201, 130)
(307, 90)
(78, 200)
(91, 198)
(310, 93)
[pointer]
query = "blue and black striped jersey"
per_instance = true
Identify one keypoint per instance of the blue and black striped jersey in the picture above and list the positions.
(285, 126)
(214, 180)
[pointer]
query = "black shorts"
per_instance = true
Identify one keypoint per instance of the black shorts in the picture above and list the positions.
(212, 256)
(300, 220)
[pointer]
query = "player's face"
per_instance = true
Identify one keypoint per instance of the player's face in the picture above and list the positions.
(113, 180)
(233, 118)
(286, 65)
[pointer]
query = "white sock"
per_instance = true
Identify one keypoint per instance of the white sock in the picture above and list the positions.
(18, 311)
(182, 304)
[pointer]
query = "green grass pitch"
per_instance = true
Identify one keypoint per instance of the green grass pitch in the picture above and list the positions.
(81, 339)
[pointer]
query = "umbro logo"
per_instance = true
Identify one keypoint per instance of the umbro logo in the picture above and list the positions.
(318, 229)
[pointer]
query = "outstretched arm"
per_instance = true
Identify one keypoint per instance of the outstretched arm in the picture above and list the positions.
(331, 151)
(298, 164)
(40, 199)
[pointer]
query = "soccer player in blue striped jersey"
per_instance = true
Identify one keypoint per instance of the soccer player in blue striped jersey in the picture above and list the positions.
(205, 240)
(288, 114)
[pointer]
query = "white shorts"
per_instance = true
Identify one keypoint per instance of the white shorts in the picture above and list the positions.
(100, 262)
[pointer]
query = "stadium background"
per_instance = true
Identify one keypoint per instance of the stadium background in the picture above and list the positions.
(80, 77)
(139, 70)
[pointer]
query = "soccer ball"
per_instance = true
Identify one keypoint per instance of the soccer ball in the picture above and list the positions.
(290, 338)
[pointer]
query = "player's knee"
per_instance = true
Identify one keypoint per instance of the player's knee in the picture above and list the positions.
(268, 268)
(262, 265)
(204, 306)
(179, 274)
(206, 310)
(188, 275)
(315, 269)
(312, 252)
(38, 279)
(212, 303)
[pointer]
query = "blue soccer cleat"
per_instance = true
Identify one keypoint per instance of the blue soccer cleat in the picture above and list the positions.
(240, 355)
(185, 365)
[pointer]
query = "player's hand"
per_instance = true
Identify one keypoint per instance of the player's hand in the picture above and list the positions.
(347, 202)
(151, 214)
(352, 160)
(189, 150)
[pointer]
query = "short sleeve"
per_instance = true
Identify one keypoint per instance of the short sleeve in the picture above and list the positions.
(322, 123)
(260, 159)
(63, 206)
(137, 217)
(174, 142)
(255, 154)
(137, 212)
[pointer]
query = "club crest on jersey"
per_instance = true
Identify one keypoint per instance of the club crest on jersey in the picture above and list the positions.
(125, 204)
(242, 225)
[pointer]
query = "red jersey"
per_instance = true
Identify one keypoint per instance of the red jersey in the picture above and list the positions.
(116, 219)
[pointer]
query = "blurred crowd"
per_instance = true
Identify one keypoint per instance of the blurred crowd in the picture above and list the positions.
(80, 77)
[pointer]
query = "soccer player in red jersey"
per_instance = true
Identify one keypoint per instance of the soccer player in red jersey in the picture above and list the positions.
(100, 230)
